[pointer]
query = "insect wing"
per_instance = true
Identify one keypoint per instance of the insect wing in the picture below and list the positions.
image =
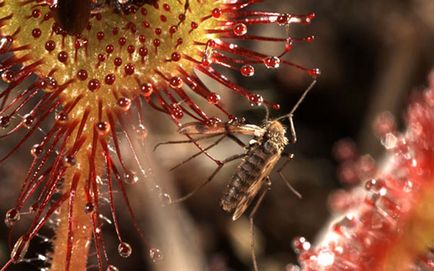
(254, 188)
(198, 128)
(246, 129)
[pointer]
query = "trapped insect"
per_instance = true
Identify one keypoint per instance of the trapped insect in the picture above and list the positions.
(260, 158)
(73, 15)
(251, 179)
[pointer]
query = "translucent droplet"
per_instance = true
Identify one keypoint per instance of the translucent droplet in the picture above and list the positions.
(5, 121)
(176, 82)
(272, 62)
(28, 120)
(103, 128)
(247, 70)
(325, 258)
(374, 185)
(155, 255)
(61, 117)
(51, 84)
(125, 250)
(5, 43)
(130, 177)
(166, 199)
(12, 217)
(212, 121)
(300, 244)
(256, 99)
(33, 208)
(70, 160)
(240, 30)
(89, 208)
(142, 132)
(314, 72)
(124, 103)
(20, 249)
(36, 150)
(214, 98)
(112, 268)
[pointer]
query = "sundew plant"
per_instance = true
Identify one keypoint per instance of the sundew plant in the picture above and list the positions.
(86, 69)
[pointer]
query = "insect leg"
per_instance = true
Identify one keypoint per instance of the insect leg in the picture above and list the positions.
(293, 134)
(283, 177)
(210, 178)
(236, 140)
(198, 153)
(252, 224)
(190, 140)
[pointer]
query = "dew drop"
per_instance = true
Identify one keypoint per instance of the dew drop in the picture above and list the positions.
(300, 244)
(374, 185)
(325, 258)
(283, 19)
(240, 30)
(110, 79)
(112, 268)
(314, 72)
(89, 208)
(82, 75)
(93, 85)
(275, 106)
(213, 121)
(176, 56)
(130, 177)
(256, 99)
(213, 98)
(166, 199)
(50, 84)
(124, 103)
(5, 121)
(103, 128)
(28, 120)
(61, 117)
(33, 208)
(20, 249)
(142, 132)
(5, 43)
(125, 250)
(155, 255)
(272, 62)
(176, 111)
(309, 39)
(176, 82)
(36, 150)
(216, 13)
(69, 160)
(8, 76)
(12, 217)
(247, 70)
(147, 89)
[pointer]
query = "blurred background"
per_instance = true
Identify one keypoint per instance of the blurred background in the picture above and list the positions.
(373, 55)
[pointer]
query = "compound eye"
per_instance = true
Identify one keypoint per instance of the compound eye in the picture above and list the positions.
(269, 148)
(72, 15)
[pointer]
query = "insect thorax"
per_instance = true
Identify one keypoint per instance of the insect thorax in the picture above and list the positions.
(274, 137)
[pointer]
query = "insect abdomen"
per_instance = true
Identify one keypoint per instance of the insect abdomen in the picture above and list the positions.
(248, 171)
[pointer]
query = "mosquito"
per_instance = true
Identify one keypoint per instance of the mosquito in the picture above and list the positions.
(251, 179)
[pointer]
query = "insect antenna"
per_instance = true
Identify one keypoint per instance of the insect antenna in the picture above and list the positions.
(267, 113)
(303, 96)
(293, 137)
